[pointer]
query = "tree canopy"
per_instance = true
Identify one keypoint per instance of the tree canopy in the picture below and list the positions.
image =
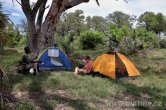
(153, 22)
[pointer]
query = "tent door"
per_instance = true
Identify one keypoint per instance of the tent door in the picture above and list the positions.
(120, 68)
(56, 61)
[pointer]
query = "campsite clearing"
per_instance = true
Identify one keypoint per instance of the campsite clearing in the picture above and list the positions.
(62, 90)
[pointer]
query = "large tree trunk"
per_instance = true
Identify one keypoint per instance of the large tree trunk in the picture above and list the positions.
(33, 36)
(41, 33)
(49, 26)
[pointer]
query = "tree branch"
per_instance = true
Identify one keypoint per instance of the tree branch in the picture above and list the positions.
(26, 7)
(72, 3)
(37, 6)
(18, 2)
(97, 2)
(126, 1)
(41, 14)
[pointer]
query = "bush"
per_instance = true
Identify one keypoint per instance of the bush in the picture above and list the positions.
(90, 39)
(129, 45)
(23, 41)
(66, 44)
(3, 39)
(163, 43)
(148, 38)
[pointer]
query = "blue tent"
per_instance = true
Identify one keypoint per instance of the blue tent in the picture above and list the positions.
(54, 58)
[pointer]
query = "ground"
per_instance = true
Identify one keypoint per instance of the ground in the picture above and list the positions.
(61, 90)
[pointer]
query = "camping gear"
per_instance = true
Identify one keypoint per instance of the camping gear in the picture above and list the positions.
(22, 69)
(115, 65)
(54, 58)
(31, 70)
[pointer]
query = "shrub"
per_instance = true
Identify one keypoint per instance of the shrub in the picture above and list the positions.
(163, 43)
(90, 39)
(148, 38)
(129, 45)
(3, 39)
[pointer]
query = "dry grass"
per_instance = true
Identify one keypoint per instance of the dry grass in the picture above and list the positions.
(5, 95)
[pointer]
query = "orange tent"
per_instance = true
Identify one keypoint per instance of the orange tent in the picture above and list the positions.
(114, 65)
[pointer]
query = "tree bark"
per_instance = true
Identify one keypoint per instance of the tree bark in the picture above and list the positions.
(41, 33)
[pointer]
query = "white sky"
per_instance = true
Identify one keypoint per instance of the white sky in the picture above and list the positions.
(135, 7)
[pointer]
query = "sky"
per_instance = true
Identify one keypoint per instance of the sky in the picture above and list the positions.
(135, 7)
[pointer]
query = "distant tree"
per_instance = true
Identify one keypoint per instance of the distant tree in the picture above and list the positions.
(88, 22)
(90, 39)
(116, 34)
(149, 39)
(153, 22)
(161, 23)
(147, 20)
(72, 22)
(96, 23)
(119, 18)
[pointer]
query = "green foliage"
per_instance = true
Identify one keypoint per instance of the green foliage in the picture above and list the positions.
(25, 106)
(128, 46)
(153, 22)
(96, 23)
(138, 39)
(116, 34)
(163, 43)
(66, 43)
(161, 22)
(119, 18)
(23, 41)
(116, 27)
(13, 35)
(10, 36)
(90, 39)
(148, 38)
(3, 39)
(148, 20)
(70, 22)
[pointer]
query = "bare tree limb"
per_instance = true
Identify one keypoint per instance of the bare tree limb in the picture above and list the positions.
(13, 2)
(18, 2)
(97, 2)
(126, 1)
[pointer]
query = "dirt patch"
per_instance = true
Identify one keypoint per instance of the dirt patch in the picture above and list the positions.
(62, 107)
(20, 95)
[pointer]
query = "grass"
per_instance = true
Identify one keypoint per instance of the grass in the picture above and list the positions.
(62, 90)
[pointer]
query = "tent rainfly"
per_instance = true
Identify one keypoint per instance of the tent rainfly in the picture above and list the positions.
(115, 65)
(54, 58)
